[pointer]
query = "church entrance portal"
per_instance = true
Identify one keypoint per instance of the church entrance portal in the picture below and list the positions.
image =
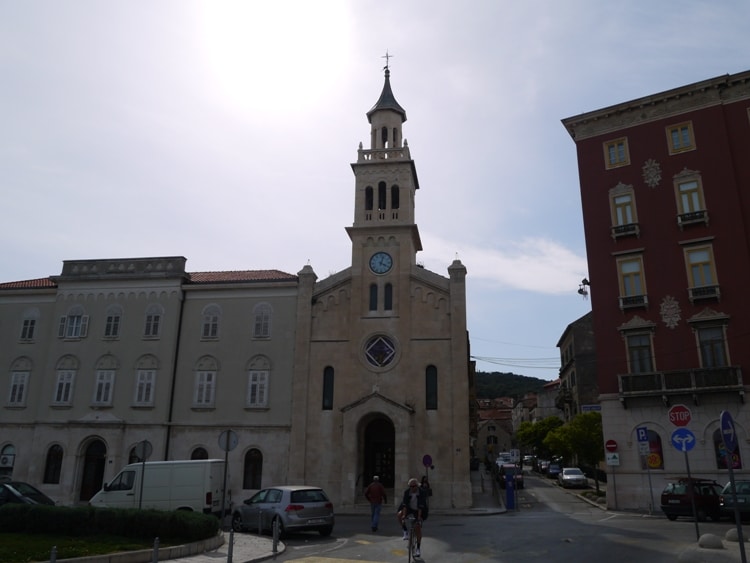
(379, 447)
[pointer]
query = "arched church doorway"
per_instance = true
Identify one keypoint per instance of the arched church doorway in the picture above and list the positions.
(379, 447)
(93, 469)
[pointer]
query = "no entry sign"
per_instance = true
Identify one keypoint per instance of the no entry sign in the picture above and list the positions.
(679, 415)
(610, 446)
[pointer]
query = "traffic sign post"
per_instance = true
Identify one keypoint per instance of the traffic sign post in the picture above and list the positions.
(613, 460)
(729, 437)
(644, 448)
(679, 415)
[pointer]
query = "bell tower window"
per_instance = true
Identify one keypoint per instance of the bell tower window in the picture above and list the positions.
(373, 297)
(381, 196)
(394, 197)
(384, 137)
(388, 298)
(368, 198)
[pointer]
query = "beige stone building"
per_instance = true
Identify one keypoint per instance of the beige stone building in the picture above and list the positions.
(323, 382)
(382, 357)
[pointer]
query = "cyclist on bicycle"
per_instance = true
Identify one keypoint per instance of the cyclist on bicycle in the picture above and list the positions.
(414, 502)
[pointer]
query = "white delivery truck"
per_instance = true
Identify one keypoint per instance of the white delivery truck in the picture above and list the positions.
(196, 485)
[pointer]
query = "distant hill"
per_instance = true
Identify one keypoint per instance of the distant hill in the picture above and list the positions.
(496, 384)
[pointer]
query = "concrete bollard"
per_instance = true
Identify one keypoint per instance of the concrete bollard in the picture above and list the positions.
(53, 554)
(155, 553)
(276, 525)
(231, 546)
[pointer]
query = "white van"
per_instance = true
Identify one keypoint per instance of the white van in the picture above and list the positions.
(195, 485)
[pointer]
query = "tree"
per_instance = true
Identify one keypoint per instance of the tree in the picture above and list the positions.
(531, 435)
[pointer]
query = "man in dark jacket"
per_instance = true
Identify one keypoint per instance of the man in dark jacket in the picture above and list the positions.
(375, 493)
(414, 502)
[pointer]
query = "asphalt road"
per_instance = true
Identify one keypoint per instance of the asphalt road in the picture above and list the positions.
(550, 525)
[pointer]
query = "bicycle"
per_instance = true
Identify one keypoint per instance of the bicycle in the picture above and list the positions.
(412, 540)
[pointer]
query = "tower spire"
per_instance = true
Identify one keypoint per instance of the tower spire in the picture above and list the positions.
(387, 100)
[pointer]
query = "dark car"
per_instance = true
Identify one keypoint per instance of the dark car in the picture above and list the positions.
(22, 493)
(676, 499)
(296, 508)
(553, 470)
(726, 501)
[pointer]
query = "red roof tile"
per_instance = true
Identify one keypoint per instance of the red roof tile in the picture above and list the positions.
(39, 283)
(240, 276)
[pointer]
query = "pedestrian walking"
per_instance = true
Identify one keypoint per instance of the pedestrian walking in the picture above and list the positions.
(375, 494)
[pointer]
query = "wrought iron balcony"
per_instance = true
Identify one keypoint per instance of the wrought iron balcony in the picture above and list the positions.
(682, 382)
(631, 229)
(692, 217)
(704, 292)
(633, 301)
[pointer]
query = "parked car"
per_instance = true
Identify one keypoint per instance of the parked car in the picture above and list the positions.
(22, 493)
(297, 509)
(572, 477)
(676, 498)
(510, 469)
(542, 465)
(553, 470)
(726, 501)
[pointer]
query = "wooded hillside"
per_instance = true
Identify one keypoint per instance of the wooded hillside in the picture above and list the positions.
(496, 384)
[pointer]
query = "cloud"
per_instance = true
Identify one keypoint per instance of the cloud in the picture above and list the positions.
(531, 264)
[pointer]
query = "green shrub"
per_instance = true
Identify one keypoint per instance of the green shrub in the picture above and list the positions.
(89, 521)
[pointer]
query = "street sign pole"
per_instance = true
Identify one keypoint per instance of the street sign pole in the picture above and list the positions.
(645, 450)
(729, 438)
(692, 493)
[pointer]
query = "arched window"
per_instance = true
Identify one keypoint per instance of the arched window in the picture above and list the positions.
(368, 198)
(28, 324)
(252, 475)
(373, 297)
(394, 197)
(210, 327)
(388, 298)
(328, 388)
(262, 321)
(720, 452)
(112, 321)
(431, 388)
(154, 314)
(381, 195)
(655, 458)
(7, 457)
(199, 453)
(53, 465)
(75, 324)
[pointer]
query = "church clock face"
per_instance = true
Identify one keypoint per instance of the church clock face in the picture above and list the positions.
(381, 262)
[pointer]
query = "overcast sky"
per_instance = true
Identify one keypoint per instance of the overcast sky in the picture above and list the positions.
(223, 132)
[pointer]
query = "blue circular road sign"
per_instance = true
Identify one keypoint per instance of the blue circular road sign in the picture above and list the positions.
(683, 439)
(728, 432)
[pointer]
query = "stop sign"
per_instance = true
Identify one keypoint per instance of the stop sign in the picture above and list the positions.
(679, 415)
(610, 446)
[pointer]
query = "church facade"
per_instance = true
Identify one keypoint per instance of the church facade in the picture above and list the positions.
(325, 382)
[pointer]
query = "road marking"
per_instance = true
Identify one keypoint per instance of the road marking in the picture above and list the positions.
(329, 560)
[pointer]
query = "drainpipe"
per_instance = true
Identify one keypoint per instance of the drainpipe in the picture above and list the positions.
(174, 373)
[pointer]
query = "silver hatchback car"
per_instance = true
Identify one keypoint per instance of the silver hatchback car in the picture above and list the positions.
(297, 508)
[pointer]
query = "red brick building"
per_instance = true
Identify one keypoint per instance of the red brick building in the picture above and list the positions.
(665, 194)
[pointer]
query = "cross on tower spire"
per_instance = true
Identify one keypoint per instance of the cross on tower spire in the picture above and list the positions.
(386, 57)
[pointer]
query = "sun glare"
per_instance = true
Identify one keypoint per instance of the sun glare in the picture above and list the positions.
(272, 56)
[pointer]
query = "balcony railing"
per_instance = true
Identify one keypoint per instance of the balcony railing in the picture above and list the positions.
(631, 229)
(368, 155)
(704, 292)
(633, 301)
(681, 382)
(692, 217)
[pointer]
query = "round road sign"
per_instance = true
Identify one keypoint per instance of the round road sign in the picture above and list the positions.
(728, 432)
(610, 446)
(679, 415)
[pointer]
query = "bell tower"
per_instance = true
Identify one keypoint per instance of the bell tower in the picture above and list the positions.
(385, 187)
